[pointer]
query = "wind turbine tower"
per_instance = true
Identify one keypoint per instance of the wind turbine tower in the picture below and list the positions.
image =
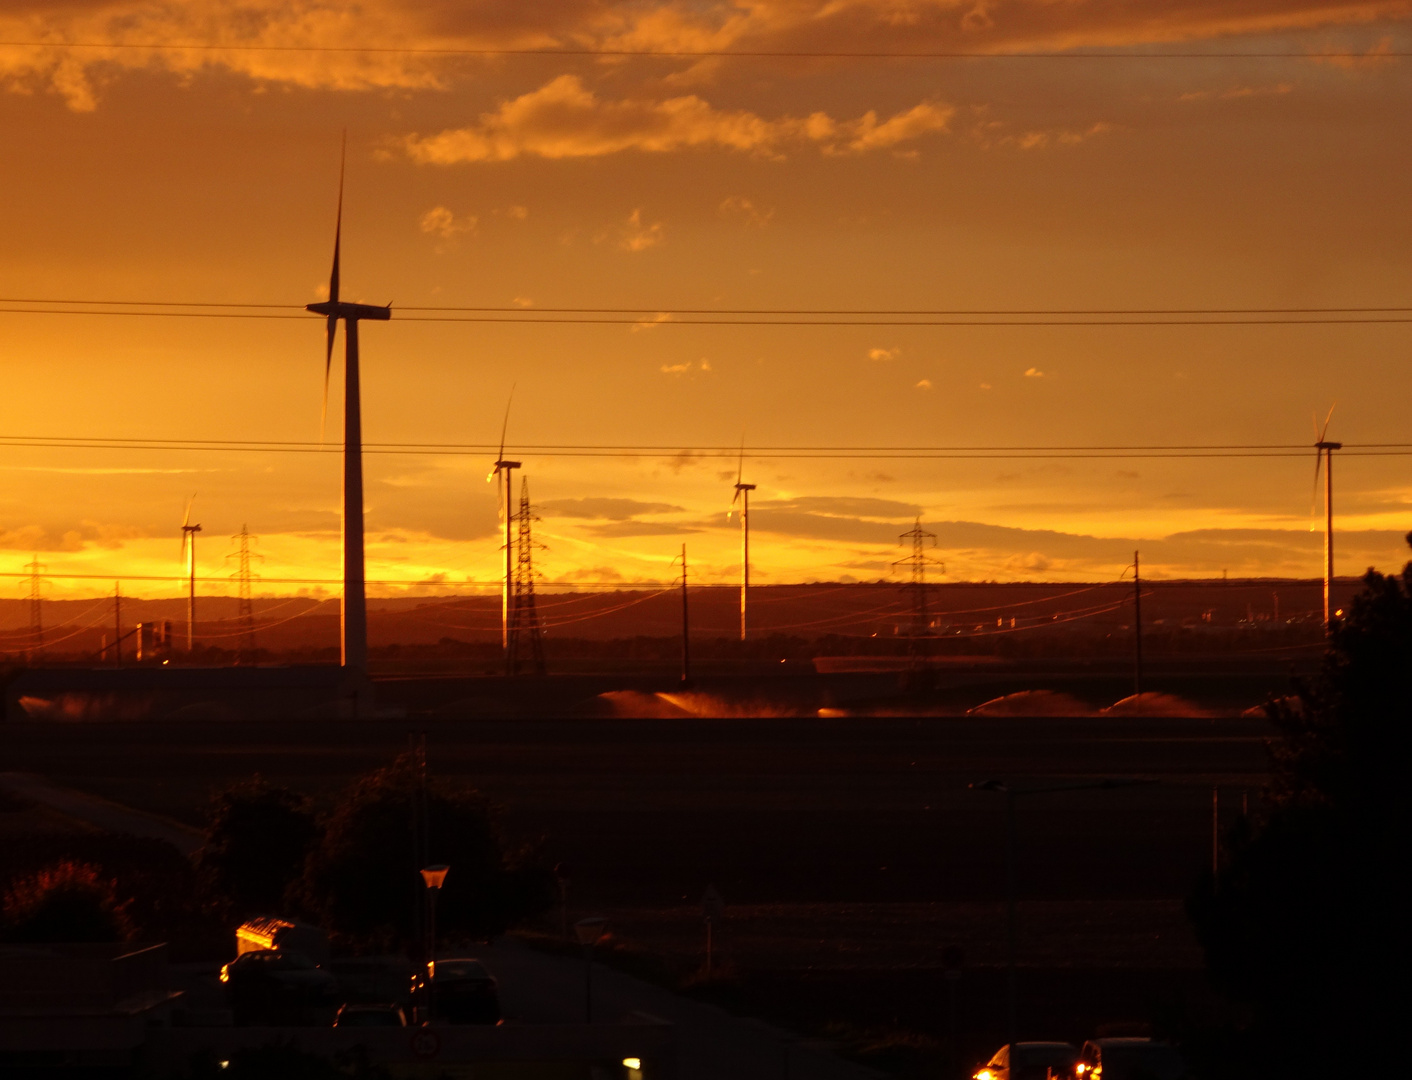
(188, 554)
(506, 469)
(1324, 455)
(354, 614)
(742, 495)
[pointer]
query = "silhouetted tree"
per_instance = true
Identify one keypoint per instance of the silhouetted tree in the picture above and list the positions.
(64, 902)
(363, 878)
(257, 838)
(1303, 925)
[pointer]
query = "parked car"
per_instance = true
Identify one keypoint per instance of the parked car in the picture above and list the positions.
(388, 1015)
(1030, 1061)
(1130, 1059)
(276, 987)
(463, 992)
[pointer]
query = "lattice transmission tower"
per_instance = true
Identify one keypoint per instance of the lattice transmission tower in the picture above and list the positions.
(244, 577)
(917, 562)
(524, 653)
(36, 607)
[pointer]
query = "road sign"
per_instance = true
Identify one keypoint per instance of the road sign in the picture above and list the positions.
(425, 1043)
(713, 907)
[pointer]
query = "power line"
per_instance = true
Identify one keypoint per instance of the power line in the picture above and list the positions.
(1351, 319)
(1344, 309)
(688, 54)
(820, 453)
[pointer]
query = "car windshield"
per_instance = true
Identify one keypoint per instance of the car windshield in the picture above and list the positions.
(459, 969)
(291, 961)
(1145, 1061)
(1038, 1062)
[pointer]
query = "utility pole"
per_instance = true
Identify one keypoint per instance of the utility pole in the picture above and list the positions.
(1137, 625)
(117, 622)
(685, 627)
(36, 605)
(523, 632)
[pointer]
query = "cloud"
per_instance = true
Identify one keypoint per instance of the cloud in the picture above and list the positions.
(518, 213)
(639, 237)
(275, 30)
(738, 206)
(439, 221)
(985, 386)
(883, 355)
(565, 119)
(703, 366)
(633, 527)
(924, 384)
(844, 506)
(1033, 373)
(604, 508)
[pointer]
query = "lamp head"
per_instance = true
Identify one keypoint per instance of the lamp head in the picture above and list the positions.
(433, 876)
(589, 930)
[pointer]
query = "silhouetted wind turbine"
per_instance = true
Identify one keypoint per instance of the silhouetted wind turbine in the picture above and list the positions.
(1325, 449)
(188, 556)
(355, 611)
(742, 494)
(505, 467)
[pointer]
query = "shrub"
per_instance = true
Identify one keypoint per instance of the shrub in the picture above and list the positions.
(257, 839)
(65, 902)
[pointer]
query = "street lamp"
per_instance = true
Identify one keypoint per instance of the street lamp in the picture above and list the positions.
(432, 878)
(1011, 794)
(588, 931)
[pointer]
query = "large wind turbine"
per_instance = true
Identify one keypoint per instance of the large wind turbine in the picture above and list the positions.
(1324, 449)
(188, 556)
(507, 469)
(354, 615)
(742, 495)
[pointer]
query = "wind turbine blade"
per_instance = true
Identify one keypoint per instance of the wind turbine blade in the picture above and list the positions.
(505, 427)
(1314, 495)
(1325, 430)
(740, 466)
(338, 224)
(186, 517)
(328, 367)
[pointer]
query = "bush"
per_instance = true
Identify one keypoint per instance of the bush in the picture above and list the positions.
(65, 902)
(257, 839)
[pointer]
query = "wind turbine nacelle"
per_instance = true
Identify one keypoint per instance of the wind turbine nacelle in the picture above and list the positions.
(338, 309)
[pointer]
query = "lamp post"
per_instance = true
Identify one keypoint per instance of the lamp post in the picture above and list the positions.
(1011, 794)
(588, 931)
(432, 877)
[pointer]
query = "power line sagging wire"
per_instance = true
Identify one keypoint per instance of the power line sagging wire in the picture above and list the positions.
(786, 317)
(569, 450)
(552, 51)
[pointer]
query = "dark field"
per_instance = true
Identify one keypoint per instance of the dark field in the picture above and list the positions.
(849, 851)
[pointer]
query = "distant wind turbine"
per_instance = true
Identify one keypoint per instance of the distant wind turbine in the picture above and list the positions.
(188, 556)
(507, 468)
(355, 609)
(1323, 449)
(742, 495)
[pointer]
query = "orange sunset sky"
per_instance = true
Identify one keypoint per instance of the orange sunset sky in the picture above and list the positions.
(1273, 176)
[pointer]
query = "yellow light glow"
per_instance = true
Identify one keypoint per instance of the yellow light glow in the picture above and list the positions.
(632, 1063)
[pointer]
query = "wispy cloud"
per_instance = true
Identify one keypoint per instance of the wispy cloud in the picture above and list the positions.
(566, 119)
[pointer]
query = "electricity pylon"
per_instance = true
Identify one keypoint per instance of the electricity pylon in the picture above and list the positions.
(36, 608)
(917, 563)
(244, 577)
(524, 653)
